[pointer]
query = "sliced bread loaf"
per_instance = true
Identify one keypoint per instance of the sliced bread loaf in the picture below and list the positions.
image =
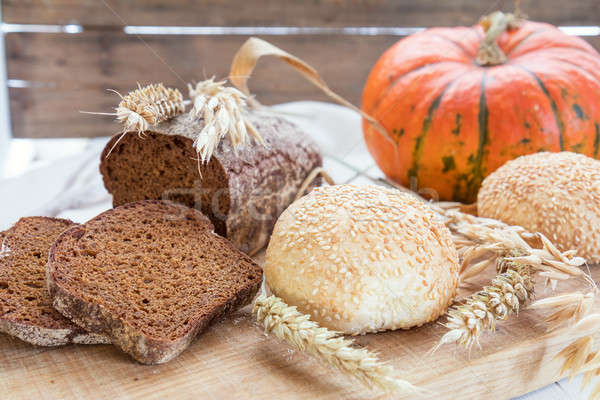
(242, 192)
(151, 275)
(25, 306)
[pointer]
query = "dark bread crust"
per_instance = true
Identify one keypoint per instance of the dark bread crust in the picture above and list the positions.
(147, 350)
(51, 337)
(51, 328)
(104, 319)
(260, 181)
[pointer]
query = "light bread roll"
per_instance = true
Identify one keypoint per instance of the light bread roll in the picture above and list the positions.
(362, 259)
(556, 194)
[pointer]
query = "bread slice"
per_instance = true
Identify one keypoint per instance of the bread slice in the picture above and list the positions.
(243, 192)
(151, 275)
(25, 306)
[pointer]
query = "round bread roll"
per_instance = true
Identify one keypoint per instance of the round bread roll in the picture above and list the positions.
(362, 259)
(556, 194)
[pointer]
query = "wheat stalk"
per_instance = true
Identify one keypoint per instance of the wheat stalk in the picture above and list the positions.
(508, 292)
(568, 309)
(578, 356)
(222, 109)
(518, 254)
(479, 238)
(329, 347)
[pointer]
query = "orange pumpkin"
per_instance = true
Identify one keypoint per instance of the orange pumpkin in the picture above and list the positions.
(451, 121)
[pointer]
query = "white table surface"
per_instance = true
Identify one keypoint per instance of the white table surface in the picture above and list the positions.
(59, 177)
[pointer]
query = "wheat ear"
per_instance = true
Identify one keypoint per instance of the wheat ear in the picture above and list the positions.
(223, 109)
(145, 107)
(149, 105)
(518, 254)
(328, 347)
(479, 238)
(506, 294)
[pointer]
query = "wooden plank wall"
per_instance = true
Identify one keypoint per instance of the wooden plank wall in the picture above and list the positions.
(54, 75)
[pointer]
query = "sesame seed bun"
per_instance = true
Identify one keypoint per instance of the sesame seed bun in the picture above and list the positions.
(362, 259)
(556, 194)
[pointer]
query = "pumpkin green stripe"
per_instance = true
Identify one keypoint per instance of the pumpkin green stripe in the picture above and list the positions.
(476, 177)
(579, 112)
(417, 152)
(419, 141)
(456, 131)
(596, 140)
(557, 119)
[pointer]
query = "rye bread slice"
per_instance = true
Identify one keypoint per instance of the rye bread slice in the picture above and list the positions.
(151, 275)
(26, 309)
(242, 192)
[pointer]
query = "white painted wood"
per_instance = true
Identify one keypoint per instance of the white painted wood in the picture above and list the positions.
(5, 127)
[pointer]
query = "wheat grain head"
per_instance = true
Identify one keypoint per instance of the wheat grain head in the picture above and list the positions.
(328, 347)
(506, 294)
(223, 110)
(518, 255)
(147, 106)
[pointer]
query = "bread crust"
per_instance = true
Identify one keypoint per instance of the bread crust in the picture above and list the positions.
(261, 180)
(98, 319)
(362, 259)
(146, 350)
(50, 337)
(555, 194)
(36, 333)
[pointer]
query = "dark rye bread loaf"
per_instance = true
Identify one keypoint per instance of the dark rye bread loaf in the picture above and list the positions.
(26, 309)
(243, 193)
(151, 275)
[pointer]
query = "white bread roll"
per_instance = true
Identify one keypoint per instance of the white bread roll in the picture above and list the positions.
(362, 259)
(556, 194)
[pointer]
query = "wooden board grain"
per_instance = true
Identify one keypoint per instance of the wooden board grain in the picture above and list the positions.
(60, 83)
(52, 75)
(76, 78)
(331, 13)
(234, 360)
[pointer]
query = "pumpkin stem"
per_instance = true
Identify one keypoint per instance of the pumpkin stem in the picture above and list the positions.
(494, 25)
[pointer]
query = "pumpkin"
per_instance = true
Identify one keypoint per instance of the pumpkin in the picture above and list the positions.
(457, 103)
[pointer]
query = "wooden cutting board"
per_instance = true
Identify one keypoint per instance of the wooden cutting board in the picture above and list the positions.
(235, 360)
